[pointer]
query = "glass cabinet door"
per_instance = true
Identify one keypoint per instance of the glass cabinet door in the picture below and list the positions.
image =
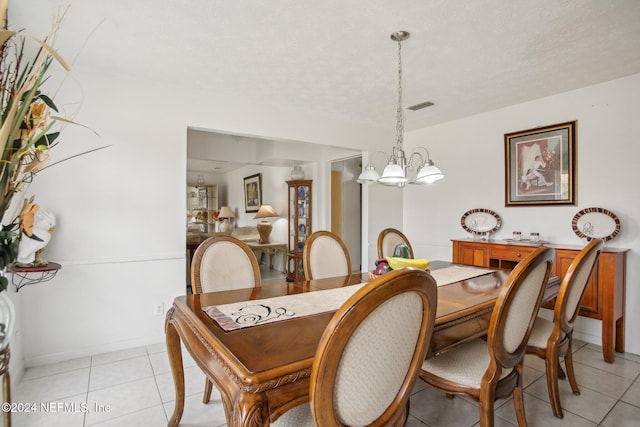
(292, 219)
(299, 226)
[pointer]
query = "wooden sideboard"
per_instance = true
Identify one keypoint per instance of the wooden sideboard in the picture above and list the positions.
(603, 298)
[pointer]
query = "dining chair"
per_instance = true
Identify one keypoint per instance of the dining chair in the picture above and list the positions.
(369, 355)
(551, 339)
(388, 239)
(325, 255)
(223, 263)
(492, 369)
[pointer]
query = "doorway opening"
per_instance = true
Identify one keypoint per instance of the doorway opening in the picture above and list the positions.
(346, 206)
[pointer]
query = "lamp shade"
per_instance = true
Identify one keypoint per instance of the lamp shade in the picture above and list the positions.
(429, 174)
(266, 211)
(369, 175)
(393, 174)
(226, 212)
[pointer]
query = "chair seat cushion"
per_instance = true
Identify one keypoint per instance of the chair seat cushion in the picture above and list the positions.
(300, 416)
(540, 333)
(464, 364)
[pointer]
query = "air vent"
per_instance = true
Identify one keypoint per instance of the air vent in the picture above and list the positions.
(421, 106)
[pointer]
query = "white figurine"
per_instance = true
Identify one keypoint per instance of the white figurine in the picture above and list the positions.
(30, 245)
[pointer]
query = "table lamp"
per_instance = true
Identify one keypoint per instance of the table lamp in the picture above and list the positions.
(264, 227)
(225, 213)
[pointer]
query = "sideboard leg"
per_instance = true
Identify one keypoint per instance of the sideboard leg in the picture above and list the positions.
(608, 339)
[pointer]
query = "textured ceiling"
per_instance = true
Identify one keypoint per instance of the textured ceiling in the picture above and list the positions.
(335, 57)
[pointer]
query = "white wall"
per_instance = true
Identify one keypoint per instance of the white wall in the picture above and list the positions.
(471, 154)
(382, 208)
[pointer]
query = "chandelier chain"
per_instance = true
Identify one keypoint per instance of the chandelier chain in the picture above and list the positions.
(399, 111)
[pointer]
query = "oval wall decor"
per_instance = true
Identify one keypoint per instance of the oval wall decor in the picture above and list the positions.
(480, 221)
(595, 223)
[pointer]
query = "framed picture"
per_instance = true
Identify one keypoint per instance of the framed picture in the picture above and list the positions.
(540, 166)
(252, 193)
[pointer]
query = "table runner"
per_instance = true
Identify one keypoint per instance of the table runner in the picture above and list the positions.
(258, 312)
(457, 273)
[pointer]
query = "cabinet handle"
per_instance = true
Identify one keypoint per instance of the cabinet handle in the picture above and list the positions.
(518, 254)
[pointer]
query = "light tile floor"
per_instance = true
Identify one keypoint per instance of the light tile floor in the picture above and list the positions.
(134, 388)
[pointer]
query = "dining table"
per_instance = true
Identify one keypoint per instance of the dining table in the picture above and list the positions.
(263, 370)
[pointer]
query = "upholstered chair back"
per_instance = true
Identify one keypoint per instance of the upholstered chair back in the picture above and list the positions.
(369, 355)
(575, 281)
(517, 307)
(393, 325)
(388, 239)
(222, 263)
(325, 255)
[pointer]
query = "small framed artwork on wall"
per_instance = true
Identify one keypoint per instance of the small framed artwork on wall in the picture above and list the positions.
(252, 193)
(540, 166)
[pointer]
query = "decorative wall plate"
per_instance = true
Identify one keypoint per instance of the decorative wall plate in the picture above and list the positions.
(480, 221)
(595, 223)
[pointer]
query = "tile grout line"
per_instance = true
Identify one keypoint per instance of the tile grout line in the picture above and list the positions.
(155, 381)
(84, 416)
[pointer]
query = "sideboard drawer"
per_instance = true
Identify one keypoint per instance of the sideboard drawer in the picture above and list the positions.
(510, 253)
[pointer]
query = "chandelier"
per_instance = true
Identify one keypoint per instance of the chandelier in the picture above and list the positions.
(396, 172)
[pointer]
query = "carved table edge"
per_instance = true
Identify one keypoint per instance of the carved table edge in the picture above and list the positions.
(247, 388)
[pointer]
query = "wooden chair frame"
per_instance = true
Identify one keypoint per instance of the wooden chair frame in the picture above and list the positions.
(564, 316)
(341, 328)
(388, 231)
(196, 284)
(308, 245)
(492, 387)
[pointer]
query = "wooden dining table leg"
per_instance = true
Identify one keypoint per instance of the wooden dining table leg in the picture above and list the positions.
(175, 360)
(250, 410)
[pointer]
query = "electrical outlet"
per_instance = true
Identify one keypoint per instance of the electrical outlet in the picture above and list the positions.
(158, 309)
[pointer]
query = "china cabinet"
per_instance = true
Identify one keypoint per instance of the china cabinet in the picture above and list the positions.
(299, 226)
(603, 298)
(201, 202)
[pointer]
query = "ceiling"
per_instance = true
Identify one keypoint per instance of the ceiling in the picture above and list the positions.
(335, 57)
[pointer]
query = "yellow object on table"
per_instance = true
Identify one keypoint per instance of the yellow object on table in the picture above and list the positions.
(396, 263)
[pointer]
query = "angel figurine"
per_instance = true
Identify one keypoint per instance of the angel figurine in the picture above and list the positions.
(35, 233)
